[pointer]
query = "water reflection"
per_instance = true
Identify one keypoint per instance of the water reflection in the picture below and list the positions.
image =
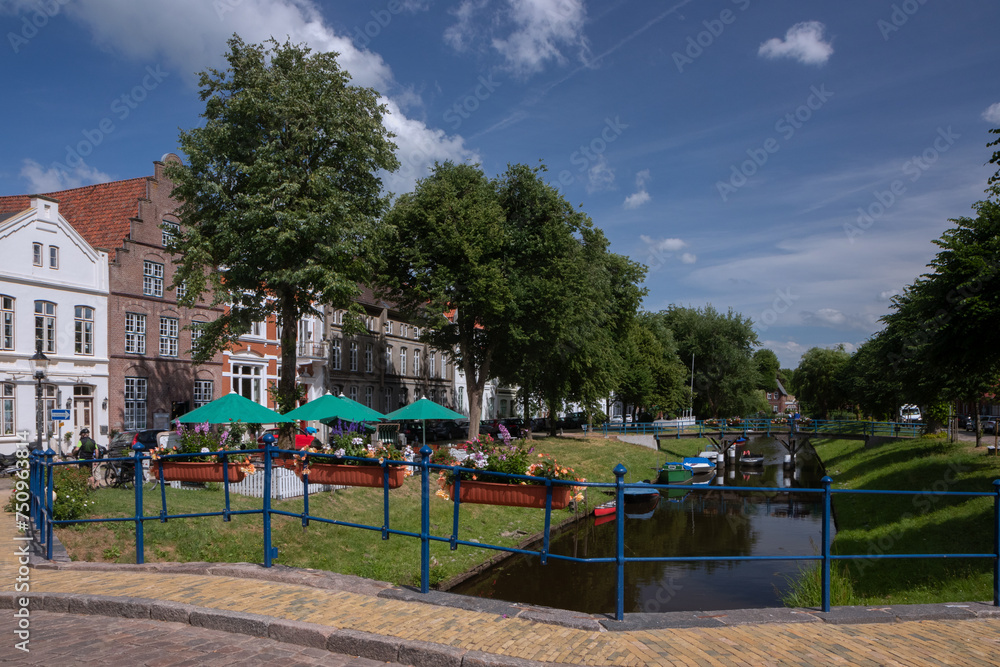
(714, 521)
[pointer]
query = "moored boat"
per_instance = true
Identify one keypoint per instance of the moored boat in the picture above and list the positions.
(699, 464)
(672, 472)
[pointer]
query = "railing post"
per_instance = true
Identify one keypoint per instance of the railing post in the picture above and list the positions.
(996, 543)
(620, 471)
(47, 534)
(827, 481)
(269, 551)
(425, 519)
(137, 449)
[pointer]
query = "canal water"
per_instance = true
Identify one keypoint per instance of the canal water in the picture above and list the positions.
(711, 520)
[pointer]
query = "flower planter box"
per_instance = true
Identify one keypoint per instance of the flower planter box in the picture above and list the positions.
(197, 471)
(345, 475)
(514, 495)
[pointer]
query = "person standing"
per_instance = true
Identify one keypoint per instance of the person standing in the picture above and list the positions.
(86, 449)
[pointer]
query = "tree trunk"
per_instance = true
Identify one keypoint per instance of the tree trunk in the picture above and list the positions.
(289, 321)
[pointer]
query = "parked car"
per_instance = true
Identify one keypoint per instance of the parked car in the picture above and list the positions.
(514, 426)
(989, 425)
(447, 429)
(572, 420)
(121, 444)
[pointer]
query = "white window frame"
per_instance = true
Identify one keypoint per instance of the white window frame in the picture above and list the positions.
(136, 389)
(83, 330)
(335, 353)
(36, 254)
(369, 396)
(248, 376)
(7, 304)
(402, 361)
(152, 278)
(354, 356)
(45, 325)
(169, 334)
(388, 358)
(196, 331)
(432, 364)
(369, 359)
(204, 390)
(135, 333)
(171, 230)
(354, 393)
(416, 363)
(53, 257)
(388, 327)
(8, 408)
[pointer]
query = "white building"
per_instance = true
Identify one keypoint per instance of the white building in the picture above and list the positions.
(53, 290)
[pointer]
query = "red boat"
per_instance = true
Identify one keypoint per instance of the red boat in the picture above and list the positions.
(605, 509)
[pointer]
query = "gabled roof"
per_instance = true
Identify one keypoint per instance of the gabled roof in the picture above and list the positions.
(101, 213)
(781, 388)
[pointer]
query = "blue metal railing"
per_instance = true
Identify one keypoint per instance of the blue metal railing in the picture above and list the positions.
(41, 477)
(723, 427)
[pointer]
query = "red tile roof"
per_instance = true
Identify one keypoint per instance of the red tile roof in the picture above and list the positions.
(101, 212)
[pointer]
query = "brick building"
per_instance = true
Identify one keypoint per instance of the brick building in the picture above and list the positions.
(151, 376)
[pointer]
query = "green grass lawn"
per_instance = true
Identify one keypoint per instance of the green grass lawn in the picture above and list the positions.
(344, 549)
(926, 522)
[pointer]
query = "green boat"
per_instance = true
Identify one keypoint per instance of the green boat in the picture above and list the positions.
(673, 473)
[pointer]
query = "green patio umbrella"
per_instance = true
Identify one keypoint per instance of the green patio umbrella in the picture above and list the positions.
(423, 410)
(326, 406)
(352, 411)
(230, 408)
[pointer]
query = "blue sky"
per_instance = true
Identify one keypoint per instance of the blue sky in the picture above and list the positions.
(790, 160)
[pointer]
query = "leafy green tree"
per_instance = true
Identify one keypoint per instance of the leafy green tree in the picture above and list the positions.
(868, 381)
(725, 375)
(573, 300)
(818, 379)
(280, 193)
(767, 369)
(945, 323)
(444, 252)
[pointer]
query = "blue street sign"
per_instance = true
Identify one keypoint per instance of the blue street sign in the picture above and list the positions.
(59, 415)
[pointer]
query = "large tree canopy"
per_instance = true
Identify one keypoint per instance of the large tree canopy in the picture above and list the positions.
(725, 375)
(536, 299)
(280, 194)
(819, 379)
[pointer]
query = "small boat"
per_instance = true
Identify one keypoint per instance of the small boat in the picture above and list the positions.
(635, 509)
(638, 494)
(703, 477)
(698, 464)
(748, 459)
(672, 472)
(605, 509)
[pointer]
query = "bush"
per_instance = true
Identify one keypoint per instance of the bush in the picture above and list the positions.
(72, 487)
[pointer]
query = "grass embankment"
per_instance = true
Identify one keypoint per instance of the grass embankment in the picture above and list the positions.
(342, 549)
(927, 522)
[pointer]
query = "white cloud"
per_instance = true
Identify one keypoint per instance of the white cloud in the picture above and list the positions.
(688, 258)
(187, 36)
(641, 196)
(886, 295)
(40, 179)
(539, 31)
(992, 114)
(663, 245)
(803, 42)
(637, 199)
(600, 176)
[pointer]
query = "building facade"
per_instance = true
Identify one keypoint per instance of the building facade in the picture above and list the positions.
(149, 336)
(53, 298)
(386, 367)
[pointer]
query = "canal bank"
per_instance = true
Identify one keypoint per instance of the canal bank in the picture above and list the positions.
(699, 526)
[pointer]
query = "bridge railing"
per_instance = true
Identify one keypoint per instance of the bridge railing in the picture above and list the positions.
(723, 428)
(41, 488)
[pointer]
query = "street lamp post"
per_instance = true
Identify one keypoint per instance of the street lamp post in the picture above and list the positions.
(38, 363)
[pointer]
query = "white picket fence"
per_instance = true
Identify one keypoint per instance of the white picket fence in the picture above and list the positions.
(284, 484)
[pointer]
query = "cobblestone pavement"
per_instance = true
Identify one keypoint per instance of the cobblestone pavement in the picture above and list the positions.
(72, 639)
(338, 615)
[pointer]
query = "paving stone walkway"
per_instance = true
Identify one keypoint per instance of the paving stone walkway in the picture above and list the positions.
(349, 616)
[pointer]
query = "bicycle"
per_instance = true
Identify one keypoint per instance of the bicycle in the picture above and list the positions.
(119, 474)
